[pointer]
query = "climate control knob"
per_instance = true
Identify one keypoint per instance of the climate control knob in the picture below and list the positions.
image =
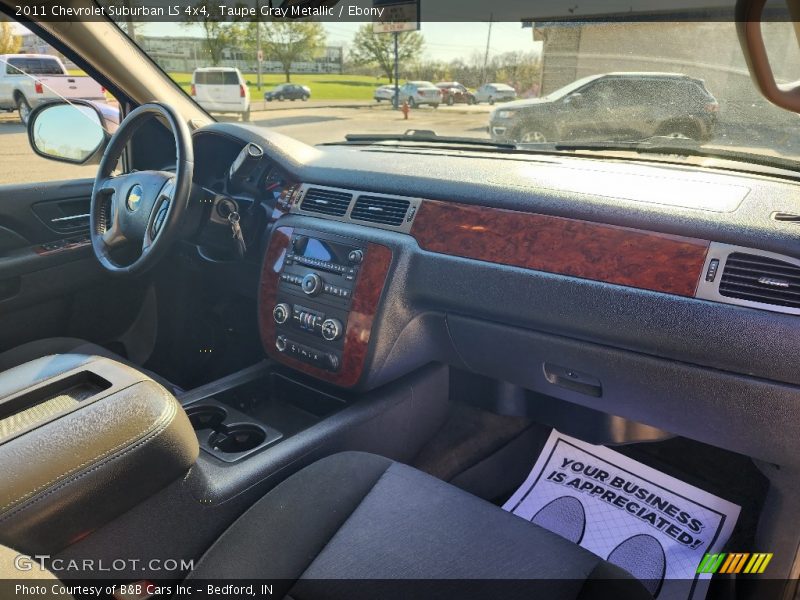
(332, 329)
(280, 343)
(312, 284)
(281, 313)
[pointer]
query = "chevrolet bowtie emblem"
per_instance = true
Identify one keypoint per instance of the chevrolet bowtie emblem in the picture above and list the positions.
(134, 197)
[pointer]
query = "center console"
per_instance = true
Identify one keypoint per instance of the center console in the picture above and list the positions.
(82, 440)
(317, 300)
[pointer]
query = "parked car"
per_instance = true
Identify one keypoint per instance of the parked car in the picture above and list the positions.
(417, 93)
(495, 92)
(455, 93)
(384, 93)
(221, 90)
(28, 80)
(288, 91)
(643, 104)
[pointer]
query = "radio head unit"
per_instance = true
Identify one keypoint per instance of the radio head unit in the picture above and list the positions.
(314, 298)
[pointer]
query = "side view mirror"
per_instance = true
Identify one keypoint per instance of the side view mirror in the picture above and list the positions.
(74, 132)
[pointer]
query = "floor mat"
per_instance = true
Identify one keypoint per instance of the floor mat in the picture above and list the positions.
(654, 526)
(468, 436)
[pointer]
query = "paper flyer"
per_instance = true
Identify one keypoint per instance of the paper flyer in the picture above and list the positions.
(654, 526)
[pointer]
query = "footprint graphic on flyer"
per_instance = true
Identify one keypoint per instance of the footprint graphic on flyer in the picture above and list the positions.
(643, 557)
(564, 516)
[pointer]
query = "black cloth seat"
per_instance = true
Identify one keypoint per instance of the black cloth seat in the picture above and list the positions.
(352, 525)
(67, 345)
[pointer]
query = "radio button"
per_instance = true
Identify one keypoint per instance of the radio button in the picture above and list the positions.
(355, 257)
(281, 313)
(332, 329)
(312, 284)
(333, 362)
(280, 343)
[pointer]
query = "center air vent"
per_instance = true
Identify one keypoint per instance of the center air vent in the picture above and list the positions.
(380, 209)
(786, 217)
(326, 202)
(761, 279)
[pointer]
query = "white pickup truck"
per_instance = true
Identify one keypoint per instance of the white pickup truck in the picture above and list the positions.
(27, 80)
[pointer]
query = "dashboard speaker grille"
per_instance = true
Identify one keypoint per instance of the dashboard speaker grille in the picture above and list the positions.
(760, 279)
(326, 202)
(379, 209)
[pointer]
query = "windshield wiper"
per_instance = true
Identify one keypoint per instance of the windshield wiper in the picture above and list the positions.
(667, 145)
(424, 136)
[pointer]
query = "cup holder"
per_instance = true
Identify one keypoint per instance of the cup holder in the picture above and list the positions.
(226, 433)
(237, 438)
(206, 417)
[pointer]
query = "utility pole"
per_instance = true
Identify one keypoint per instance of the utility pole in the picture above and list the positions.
(259, 55)
(396, 70)
(486, 55)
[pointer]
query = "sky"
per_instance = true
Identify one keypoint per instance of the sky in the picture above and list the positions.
(441, 43)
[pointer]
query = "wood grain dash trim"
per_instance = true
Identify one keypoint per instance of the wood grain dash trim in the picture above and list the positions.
(620, 255)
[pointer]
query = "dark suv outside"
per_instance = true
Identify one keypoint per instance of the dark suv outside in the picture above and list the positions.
(288, 91)
(612, 106)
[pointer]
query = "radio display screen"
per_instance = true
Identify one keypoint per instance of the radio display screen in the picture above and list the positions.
(318, 249)
(322, 250)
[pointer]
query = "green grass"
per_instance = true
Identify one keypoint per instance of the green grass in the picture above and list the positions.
(323, 87)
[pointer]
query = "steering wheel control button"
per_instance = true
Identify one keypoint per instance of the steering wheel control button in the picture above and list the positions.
(281, 313)
(355, 257)
(332, 329)
(312, 284)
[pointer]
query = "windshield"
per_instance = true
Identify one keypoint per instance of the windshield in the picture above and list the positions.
(555, 83)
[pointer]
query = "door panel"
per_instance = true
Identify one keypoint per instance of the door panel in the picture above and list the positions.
(45, 258)
(51, 284)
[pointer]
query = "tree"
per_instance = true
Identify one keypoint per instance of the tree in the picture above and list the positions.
(9, 41)
(519, 69)
(219, 33)
(378, 48)
(127, 22)
(289, 41)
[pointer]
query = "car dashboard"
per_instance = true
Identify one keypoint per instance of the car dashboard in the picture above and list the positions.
(643, 290)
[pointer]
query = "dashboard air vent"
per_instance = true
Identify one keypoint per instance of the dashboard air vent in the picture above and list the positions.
(326, 202)
(786, 217)
(760, 279)
(379, 209)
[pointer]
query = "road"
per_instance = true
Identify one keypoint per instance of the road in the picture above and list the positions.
(332, 124)
(309, 122)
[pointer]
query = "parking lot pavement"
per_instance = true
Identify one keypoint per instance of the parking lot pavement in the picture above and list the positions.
(333, 124)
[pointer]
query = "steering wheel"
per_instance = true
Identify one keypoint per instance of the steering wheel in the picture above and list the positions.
(141, 207)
